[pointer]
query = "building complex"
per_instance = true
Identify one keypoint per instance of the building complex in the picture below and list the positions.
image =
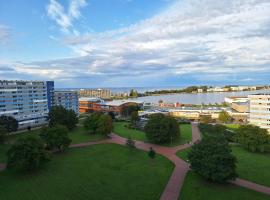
(95, 93)
(260, 110)
(67, 99)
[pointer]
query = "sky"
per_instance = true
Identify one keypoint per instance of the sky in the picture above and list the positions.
(136, 43)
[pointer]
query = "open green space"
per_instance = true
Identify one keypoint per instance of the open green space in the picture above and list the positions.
(196, 188)
(103, 172)
(122, 129)
(250, 166)
(232, 126)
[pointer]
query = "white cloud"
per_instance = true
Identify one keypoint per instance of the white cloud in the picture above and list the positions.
(65, 17)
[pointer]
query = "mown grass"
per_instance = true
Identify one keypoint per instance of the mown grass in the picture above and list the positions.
(121, 129)
(196, 188)
(102, 172)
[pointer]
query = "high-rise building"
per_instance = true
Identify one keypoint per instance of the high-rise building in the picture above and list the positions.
(26, 101)
(67, 99)
(95, 93)
(260, 110)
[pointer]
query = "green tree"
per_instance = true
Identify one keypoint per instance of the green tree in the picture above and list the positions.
(104, 125)
(224, 117)
(27, 153)
(60, 115)
(212, 159)
(133, 93)
(161, 128)
(130, 143)
(151, 153)
(9, 123)
(56, 137)
(91, 122)
(134, 118)
(127, 110)
(206, 119)
(253, 138)
(3, 134)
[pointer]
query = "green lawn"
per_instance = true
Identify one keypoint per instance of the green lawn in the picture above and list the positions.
(121, 128)
(250, 166)
(196, 188)
(253, 166)
(232, 126)
(102, 172)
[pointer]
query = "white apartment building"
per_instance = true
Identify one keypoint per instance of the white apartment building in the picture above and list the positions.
(260, 110)
(27, 101)
(68, 99)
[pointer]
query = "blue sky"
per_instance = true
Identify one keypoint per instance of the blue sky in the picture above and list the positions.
(114, 43)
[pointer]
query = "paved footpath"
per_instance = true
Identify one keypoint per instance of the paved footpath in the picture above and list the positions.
(174, 185)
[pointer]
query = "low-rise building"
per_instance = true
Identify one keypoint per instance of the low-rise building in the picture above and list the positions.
(236, 99)
(260, 110)
(95, 93)
(68, 99)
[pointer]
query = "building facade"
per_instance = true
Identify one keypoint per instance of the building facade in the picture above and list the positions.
(68, 99)
(96, 93)
(260, 110)
(26, 101)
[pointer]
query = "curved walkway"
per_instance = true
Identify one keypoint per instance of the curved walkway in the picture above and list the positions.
(174, 185)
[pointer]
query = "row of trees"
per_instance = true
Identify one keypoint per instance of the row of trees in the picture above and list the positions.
(224, 117)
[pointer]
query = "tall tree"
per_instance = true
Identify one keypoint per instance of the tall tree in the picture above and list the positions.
(91, 122)
(253, 138)
(104, 125)
(27, 153)
(56, 137)
(212, 159)
(161, 128)
(224, 117)
(60, 115)
(205, 119)
(9, 123)
(3, 133)
(134, 117)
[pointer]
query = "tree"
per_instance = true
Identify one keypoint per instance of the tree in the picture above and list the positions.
(161, 128)
(27, 153)
(10, 123)
(56, 137)
(60, 115)
(112, 114)
(134, 117)
(3, 133)
(224, 117)
(130, 143)
(253, 138)
(206, 119)
(133, 93)
(151, 153)
(91, 122)
(212, 159)
(104, 125)
(127, 110)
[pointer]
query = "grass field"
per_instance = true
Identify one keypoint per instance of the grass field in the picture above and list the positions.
(250, 166)
(232, 126)
(100, 172)
(196, 188)
(78, 135)
(120, 128)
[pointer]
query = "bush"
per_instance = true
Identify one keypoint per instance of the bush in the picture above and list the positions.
(56, 137)
(253, 138)
(9, 123)
(212, 159)
(28, 153)
(130, 143)
(224, 117)
(161, 128)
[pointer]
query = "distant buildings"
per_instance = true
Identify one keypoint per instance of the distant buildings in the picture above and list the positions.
(96, 93)
(99, 105)
(260, 110)
(27, 101)
(67, 99)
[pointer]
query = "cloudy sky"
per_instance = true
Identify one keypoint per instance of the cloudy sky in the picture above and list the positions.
(116, 43)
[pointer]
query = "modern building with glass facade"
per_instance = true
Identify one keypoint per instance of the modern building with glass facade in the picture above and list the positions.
(260, 110)
(27, 101)
(67, 99)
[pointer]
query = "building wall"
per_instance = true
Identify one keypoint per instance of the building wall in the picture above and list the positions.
(260, 110)
(67, 99)
(98, 93)
(27, 101)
